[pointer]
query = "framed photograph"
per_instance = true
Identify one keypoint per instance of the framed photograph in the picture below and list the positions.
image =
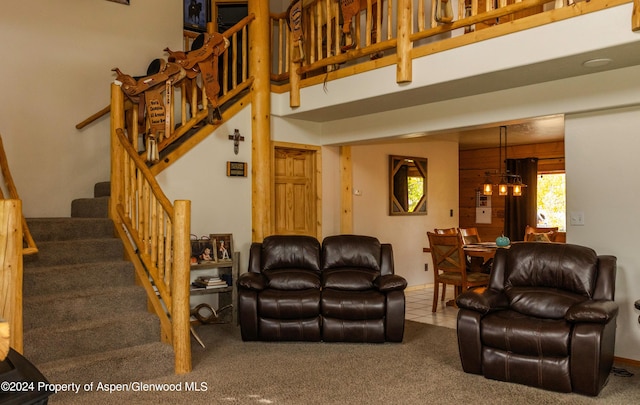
(224, 246)
(196, 14)
(203, 250)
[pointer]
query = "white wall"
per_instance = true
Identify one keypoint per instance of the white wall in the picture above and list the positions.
(56, 71)
(406, 233)
(602, 165)
(331, 192)
(219, 204)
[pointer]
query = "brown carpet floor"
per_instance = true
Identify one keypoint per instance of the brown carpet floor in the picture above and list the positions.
(424, 369)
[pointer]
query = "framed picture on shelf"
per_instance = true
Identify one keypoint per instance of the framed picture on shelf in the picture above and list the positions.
(196, 14)
(224, 246)
(203, 250)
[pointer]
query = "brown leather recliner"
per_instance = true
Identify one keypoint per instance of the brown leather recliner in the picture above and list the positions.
(344, 290)
(547, 319)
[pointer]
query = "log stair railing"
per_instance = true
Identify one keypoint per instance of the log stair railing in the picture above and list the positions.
(189, 125)
(155, 234)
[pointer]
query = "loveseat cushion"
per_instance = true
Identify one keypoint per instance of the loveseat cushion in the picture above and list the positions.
(354, 279)
(353, 305)
(351, 251)
(290, 251)
(526, 335)
(279, 304)
(292, 279)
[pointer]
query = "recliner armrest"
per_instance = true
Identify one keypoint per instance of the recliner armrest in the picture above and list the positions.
(592, 311)
(484, 302)
(390, 282)
(252, 281)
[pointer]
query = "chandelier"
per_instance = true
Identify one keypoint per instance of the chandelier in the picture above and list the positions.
(506, 180)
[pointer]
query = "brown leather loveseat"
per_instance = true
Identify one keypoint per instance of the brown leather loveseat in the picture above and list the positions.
(547, 319)
(342, 290)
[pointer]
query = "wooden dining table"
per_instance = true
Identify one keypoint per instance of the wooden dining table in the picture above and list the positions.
(485, 250)
(480, 253)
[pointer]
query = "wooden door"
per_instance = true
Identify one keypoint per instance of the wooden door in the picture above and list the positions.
(296, 191)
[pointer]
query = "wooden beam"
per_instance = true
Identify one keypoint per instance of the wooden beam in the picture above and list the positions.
(261, 158)
(346, 190)
(404, 68)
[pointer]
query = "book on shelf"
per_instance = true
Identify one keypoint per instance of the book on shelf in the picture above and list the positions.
(209, 282)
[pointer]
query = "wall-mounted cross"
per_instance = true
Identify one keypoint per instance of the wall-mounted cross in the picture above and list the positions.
(236, 138)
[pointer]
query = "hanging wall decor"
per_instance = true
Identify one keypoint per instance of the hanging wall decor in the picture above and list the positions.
(196, 14)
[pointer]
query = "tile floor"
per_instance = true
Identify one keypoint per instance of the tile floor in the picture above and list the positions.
(418, 308)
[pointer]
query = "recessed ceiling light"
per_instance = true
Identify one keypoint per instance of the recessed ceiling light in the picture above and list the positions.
(592, 63)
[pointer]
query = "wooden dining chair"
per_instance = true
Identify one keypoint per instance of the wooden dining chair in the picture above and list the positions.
(445, 231)
(449, 266)
(469, 235)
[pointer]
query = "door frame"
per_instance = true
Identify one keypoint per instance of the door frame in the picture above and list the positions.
(317, 153)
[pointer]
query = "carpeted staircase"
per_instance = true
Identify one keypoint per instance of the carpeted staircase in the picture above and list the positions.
(85, 319)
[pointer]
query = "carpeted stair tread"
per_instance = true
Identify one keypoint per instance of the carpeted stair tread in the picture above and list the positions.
(79, 305)
(54, 229)
(95, 335)
(72, 252)
(102, 189)
(53, 279)
(90, 207)
(85, 319)
(137, 363)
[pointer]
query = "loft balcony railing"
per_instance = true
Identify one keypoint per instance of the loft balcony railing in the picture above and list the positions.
(336, 42)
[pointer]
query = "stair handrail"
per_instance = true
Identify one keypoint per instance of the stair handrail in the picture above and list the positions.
(155, 233)
(30, 245)
(193, 113)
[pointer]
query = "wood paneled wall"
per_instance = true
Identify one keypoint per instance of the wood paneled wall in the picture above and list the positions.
(473, 165)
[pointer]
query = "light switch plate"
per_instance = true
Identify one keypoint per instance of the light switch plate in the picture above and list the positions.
(576, 218)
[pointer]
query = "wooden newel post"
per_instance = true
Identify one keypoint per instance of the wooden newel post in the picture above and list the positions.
(117, 153)
(404, 72)
(11, 270)
(180, 310)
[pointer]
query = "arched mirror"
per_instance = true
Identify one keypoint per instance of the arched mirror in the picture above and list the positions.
(408, 185)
